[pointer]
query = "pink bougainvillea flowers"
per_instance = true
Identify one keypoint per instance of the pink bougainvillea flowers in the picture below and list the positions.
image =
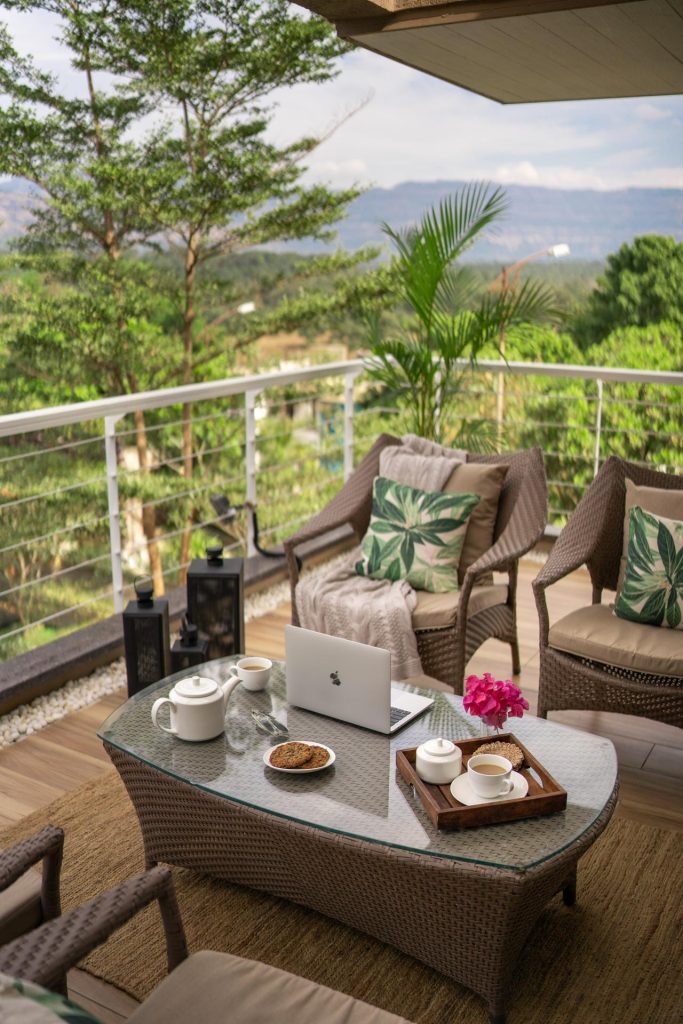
(493, 700)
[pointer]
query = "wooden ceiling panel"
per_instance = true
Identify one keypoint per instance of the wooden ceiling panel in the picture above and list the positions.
(663, 21)
(637, 44)
(537, 52)
(416, 50)
(616, 59)
(533, 44)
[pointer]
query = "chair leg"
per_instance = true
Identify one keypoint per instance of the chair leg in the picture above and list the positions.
(516, 663)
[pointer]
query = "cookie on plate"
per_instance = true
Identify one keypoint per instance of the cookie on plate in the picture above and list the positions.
(291, 755)
(319, 757)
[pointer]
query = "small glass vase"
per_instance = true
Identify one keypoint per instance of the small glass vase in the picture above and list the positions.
(492, 732)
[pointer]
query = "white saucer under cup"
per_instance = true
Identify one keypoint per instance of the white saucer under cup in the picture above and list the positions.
(464, 794)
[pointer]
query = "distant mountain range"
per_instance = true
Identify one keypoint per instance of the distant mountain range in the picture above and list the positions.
(592, 223)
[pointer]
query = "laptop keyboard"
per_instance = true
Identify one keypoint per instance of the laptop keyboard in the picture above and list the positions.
(396, 714)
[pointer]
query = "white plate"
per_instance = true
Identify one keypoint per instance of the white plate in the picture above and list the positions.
(462, 791)
(300, 771)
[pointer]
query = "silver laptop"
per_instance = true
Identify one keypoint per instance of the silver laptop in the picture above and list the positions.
(346, 680)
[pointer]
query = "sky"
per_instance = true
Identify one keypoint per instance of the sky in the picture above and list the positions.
(410, 127)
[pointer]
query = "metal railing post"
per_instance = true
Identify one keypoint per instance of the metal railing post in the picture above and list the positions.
(250, 457)
(349, 380)
(113, 508)
(598, 429)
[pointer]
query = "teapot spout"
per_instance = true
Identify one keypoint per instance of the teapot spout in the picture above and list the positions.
(227, 687)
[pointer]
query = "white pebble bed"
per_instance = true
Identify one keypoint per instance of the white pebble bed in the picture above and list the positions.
(78, 693)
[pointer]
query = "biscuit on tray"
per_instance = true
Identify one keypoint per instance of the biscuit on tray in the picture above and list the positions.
(509, 750)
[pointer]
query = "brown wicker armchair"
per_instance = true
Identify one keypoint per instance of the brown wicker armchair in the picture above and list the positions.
(207, 986)
(44, 954)
(446, 648)
(573, 672)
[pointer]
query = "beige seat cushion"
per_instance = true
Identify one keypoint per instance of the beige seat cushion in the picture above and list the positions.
(658, 500)
(20, 907)
(437, 611)
(596, 633)
(218, 988)
(486, 481)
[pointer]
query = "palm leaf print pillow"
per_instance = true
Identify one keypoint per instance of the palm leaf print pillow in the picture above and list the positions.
(415, 535)
(652, 591)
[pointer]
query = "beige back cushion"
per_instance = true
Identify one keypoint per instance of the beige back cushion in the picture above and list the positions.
(486, 481)
(428, 472)
(658, 500)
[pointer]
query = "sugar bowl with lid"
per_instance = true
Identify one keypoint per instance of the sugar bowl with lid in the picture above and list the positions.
(438, 761)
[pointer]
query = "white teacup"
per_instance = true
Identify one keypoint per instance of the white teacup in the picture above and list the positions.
(254, 673)
(489, 775)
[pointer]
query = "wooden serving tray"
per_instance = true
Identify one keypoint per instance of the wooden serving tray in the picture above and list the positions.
(445, 811)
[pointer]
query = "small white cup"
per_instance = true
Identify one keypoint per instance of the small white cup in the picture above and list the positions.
(254, 673)
(485, 784)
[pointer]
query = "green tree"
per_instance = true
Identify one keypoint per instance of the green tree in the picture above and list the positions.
(642, 285)
(167, 144)
(421, 363)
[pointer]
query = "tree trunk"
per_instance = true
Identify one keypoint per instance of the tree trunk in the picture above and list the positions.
(188, 328)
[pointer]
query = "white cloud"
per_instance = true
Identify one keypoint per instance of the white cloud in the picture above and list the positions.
(523, 173)
(649, 112)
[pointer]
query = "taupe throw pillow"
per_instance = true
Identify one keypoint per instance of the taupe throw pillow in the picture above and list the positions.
(427, 472)
(486, 480)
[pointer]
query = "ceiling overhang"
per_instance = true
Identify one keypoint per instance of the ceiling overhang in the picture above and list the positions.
(525, 51)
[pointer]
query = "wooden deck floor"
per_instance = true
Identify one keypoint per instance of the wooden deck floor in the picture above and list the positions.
(39, 769)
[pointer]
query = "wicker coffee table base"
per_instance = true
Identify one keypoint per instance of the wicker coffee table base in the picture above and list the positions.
(468, 921)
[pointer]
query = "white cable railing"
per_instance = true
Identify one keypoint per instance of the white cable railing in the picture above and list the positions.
(260, 439)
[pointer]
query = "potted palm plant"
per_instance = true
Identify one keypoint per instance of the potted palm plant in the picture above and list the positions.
(424, 362)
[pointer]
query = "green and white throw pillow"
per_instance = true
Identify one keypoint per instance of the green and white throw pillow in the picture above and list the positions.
(652, 591)
(415, 535)
(22, 1002)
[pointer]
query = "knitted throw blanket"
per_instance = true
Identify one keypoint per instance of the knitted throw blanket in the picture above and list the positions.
(376, 612)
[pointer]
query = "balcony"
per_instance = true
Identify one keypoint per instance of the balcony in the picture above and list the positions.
(283, 442)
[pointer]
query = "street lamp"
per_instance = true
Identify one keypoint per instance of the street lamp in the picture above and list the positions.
(507, 280)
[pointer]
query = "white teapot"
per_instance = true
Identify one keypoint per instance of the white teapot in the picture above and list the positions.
(197, 708)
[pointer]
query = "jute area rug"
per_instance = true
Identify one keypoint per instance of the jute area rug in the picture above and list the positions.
(615, 958)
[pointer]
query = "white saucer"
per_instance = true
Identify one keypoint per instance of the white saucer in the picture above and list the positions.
(300, 771)
(462, 791)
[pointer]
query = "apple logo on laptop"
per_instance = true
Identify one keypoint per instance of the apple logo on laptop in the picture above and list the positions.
(334, 676)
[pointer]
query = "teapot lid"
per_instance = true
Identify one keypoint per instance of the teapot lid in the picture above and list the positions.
(439, 748)
(196, 686)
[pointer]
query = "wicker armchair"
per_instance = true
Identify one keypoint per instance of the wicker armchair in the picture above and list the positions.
(46, 953)
(521, 518)
(207, 986)
(574, 680)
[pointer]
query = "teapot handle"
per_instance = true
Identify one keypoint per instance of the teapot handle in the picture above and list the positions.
(156, 707)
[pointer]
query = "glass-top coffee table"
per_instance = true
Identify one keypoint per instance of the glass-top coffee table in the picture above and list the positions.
(352, 841)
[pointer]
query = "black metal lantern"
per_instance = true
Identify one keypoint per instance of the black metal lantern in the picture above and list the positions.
(188, 650)
(215, 601)
(146, 637)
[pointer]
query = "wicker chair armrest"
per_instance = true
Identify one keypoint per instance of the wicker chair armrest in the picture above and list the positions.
(321, 524)
(47, 953)
(571, 550)
(349, 506)
(524, 528)
(48, 846)
(16, 860)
